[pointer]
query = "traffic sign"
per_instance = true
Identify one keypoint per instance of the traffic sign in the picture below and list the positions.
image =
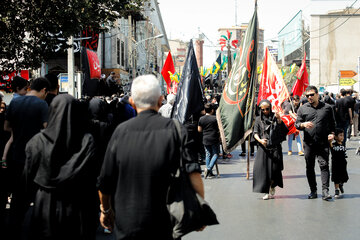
(346, 82)
(347, 73)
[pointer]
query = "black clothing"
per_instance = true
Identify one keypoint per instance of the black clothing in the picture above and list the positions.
(26, 115)
(100, 128)
(90, 87)
(60, 161)
(210, 130)
(322, 153)
(289, 108)
(303, 100)
(316, 140)
(141, 154)
(49, 98)
(4, 181)
(338, 164)
(357, 106)
(342, 111)
(329, 100)
(112, 86)
(269, 161)
(324, 122)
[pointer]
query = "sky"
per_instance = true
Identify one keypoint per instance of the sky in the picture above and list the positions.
(185, 19)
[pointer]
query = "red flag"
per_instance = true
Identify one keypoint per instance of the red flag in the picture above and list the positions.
(302, 79)
(168, 66)
(272, 86)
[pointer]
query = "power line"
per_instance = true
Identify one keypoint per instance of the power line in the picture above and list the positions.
(338, 25)
(334, 19)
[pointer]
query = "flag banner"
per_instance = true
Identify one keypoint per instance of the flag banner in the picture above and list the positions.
(236, 112)
(168, 67)
(272, 85)
(217, 65)
(302, 81)
(190, 96)
(290, 124)
(92, 71)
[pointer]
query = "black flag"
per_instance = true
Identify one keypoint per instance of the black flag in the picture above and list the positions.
(190, 96)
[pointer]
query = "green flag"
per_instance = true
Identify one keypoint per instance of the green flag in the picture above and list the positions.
(235, 114)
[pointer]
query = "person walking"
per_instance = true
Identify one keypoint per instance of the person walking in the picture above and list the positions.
(291, 109)
(211, 139)
(317, 120)
(269, 160)
(62, 169)
(339, 173)
(135, 176)
(25, 117)
(343, 113)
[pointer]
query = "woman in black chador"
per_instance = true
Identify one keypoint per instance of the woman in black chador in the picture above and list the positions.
(61, 167)
(269, 160)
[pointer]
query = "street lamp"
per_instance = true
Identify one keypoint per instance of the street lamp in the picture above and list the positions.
(147, 51)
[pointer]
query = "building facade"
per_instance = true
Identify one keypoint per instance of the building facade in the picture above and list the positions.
(335, 46)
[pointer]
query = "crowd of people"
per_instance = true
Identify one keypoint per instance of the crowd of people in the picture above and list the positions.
(63, 157)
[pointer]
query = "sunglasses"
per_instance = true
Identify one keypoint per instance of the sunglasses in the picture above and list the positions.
(265, 109)
(310, 95)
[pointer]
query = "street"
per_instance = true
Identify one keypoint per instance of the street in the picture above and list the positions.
(244, 215)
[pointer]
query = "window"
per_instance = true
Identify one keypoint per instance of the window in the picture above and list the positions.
(118, 51)
(122, 53)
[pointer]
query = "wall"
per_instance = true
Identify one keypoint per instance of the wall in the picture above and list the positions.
(338, 48)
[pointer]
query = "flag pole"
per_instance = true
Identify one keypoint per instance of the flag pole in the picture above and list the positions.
(248, 159)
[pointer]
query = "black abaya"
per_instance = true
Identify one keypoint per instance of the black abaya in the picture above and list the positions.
(60, 161)
(269, 161)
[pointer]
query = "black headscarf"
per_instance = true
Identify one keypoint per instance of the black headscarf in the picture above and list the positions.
(61, 153)
(98, 109)
(266, 120)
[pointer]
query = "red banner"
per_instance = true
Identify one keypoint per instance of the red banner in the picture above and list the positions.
(168, 66)
(94, 64)
(302, 81)
(272, 86)
(5, 83)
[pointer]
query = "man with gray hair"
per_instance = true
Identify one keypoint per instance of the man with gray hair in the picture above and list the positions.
(140, 157)
(166, 109)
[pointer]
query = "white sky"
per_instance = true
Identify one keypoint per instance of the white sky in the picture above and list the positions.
(184, 18)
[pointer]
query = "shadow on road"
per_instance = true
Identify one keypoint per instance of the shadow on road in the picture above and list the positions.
(233, 175)
(297, 176)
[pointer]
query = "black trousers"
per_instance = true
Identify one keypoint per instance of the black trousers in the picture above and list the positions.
(321, 152)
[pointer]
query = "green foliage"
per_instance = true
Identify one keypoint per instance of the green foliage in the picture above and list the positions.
(31, 30)
(290, 78)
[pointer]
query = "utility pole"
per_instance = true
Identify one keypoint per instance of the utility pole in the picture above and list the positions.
(229, 59)
(283, 53)
(235, 12)
(71, 67)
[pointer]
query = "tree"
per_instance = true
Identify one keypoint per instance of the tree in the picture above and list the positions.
(32, 30)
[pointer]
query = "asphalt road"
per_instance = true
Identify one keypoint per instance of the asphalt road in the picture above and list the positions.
(244, 215)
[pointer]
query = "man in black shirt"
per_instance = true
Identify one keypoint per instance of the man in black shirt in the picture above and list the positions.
(317, 121)
(343, 113)
(25, 117)
(54, 87)
(209, 127)
(135, 176)
(111, 83)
